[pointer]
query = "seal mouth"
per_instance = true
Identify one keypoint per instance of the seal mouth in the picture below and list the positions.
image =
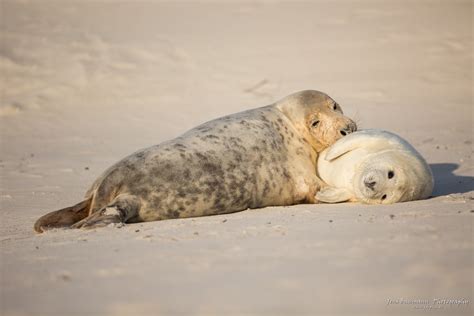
(368, 193)
(368, 196)
(361, 192)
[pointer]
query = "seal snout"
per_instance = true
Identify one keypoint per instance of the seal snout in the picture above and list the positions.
(351, 127)
(370, 184)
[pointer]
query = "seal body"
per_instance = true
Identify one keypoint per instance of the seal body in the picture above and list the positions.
(374, 167)
(247, 160)
(257, 158)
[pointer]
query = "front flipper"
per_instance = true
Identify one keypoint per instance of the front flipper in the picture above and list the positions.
(368, 138)
(333, 195)
(121, 209)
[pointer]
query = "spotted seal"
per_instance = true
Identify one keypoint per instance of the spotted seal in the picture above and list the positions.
(373, 167)
(252, 159)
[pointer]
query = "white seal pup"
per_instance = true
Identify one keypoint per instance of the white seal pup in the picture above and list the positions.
(257, 158)
(373, 167)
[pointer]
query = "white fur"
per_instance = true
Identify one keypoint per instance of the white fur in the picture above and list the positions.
(367, 157)
(111, 211)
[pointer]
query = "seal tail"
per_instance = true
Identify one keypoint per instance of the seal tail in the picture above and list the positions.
(64, 217)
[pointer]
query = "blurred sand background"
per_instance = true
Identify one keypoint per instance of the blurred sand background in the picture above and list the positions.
(85, 83)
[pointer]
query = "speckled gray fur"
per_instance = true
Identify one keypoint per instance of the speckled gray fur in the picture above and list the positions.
(226, 165)
(257, 158)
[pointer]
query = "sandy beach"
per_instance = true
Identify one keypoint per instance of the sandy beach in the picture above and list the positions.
(85, 83)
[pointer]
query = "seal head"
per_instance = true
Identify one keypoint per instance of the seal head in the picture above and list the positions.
(392, 176)
(317, 117)
(374, 167)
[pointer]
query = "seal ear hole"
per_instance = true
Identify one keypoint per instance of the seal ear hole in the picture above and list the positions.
(384, 197)
(391, 174)
(334, 107)
(315, 123)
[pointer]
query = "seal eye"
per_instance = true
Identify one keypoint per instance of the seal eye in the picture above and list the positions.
(391, 174)
(384, 197)
(314, 124)
(334, 107)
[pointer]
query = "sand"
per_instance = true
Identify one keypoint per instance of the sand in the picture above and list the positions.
(84, 84)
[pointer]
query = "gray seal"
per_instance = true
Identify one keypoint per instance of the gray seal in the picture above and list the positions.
(373, 167)
(252, 159)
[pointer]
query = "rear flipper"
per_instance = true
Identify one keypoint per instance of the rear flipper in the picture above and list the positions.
(63, 218)
(120, 210)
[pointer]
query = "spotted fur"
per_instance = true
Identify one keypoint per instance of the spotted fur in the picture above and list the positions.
(257, 158)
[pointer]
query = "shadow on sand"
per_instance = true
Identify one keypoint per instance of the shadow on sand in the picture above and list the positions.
(446, 182)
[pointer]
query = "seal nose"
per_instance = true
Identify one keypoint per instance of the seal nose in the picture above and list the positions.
(344, 132)
(349, 128)
(370, 184)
